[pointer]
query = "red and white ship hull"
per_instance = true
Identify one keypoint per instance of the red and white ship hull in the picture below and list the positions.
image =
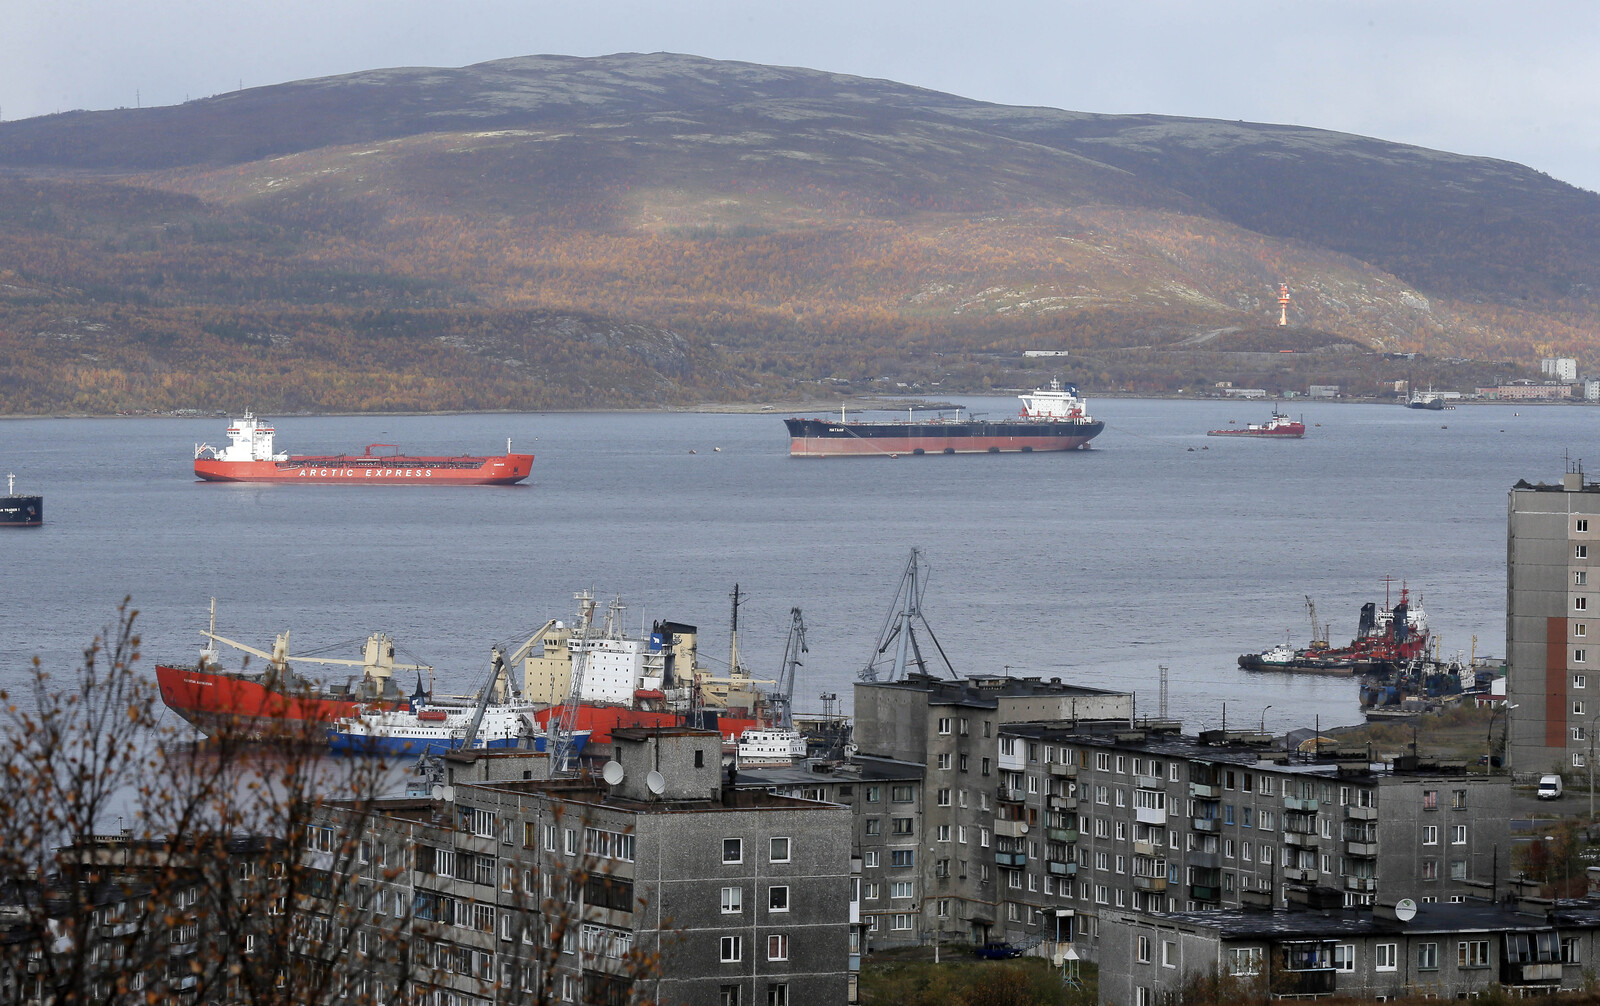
(216, 700)
(372, 470)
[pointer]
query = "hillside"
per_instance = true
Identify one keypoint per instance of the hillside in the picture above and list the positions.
(554, 232)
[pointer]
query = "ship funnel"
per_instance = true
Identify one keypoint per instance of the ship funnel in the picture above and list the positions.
(1369, 620)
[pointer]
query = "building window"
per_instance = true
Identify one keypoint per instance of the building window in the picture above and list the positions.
(942, 833)
(902, 922)
(902, 825)
(1579, 656)
(944, 724)
(1169, 954)
(1580, 629)
(1344, 957)
(903, 857)
(1580, 680)
(1472, 954)
(1577, 707)
(904, 889)
(1141, 996)
(778, 851)
(1430, 799)
(1580, 604)
(1580, 551)
(962, 764)
(874, 826)
(1577, 760)
(1245, 961)
(869, 859)
(1458, 869)
(1144, 950)
(732, 948)
(900, 794)
(1430, 869)
(732, 900)
(1427, 957)
(1458, 799)
(1385, 958)
(874, 794)
(1458, 834)
(777, 947)
(1569, 950)
(1583, 524)
(1430, 834)
(733, 850)
(778, 899)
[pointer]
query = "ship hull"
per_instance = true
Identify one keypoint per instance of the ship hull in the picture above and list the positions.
(393, 744)
(21, 511)
(245, 706)
(1264, 434)
(504, 470)
(820, 438)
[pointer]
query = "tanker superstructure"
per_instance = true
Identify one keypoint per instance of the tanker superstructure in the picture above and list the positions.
(251, 458)
(1052, 419)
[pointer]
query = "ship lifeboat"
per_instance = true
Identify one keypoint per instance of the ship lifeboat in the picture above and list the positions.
(432, 716)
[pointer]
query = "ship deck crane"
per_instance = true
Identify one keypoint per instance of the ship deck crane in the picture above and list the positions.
(497, 667)
(1319, 631)
(559, 729)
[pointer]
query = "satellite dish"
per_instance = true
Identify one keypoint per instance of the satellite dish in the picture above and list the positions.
(612, 773)
(656, 783)
(1022, 829)
(1405, 910)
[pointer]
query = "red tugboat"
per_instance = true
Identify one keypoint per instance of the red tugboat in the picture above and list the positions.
(1279, 426)
(250, 458)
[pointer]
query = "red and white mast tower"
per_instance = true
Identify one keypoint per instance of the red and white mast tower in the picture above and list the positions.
(1283, 305)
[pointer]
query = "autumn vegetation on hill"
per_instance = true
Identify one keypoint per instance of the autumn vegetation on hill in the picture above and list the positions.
(555, 233)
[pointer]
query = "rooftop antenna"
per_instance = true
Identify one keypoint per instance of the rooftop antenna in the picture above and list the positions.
(1163, 703)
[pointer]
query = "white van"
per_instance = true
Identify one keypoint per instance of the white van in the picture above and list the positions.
(1550, 787)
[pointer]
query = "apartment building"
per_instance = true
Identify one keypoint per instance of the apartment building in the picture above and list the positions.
(952, 728)
(667, 882)
(1548, 593)
(1432, 951)
(1037, 829)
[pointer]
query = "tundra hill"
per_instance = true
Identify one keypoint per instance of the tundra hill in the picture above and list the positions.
(563, 232)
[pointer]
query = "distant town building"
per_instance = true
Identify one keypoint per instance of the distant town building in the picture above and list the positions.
(1245, 392)
(1561, 369)
(1548, 593)
(1526, 392)
(1045, 352)
(1591, 391)
(1323, 391)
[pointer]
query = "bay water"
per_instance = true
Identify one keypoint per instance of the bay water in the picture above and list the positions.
(1158, 547)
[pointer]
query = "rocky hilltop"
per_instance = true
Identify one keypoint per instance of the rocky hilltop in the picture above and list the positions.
(556, 232)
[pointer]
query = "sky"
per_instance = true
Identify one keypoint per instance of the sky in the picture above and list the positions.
(1484, 77)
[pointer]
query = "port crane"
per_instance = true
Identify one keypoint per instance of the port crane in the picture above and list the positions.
(559, 730)
(1319, 630)
(783, 690)
(899, 626)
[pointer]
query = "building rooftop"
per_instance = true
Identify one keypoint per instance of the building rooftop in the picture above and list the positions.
(815, 772)
(1291, 924)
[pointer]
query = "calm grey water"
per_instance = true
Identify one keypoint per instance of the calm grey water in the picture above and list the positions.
(1095, 567)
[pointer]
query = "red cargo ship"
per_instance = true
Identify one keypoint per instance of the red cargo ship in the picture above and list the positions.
(250, 458)
(274, 700)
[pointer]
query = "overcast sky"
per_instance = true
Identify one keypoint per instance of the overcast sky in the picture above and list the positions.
(1503, 79)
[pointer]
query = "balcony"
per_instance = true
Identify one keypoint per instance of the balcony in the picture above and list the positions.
(1517, 974)
(1154, 884)
(1058, 868)
(1310, 982)
(1062, 771)
(1204, 823)
(1355, 813)
(1010, 829)
(1298, 839)
(1297, 874)
(1201, 791)
(1148, 781)
(1205, 860)
(1150, 815)
(1009, 794)
(1011, 860)
(1364, 884)
(1144, 848)
(1063, 803)
(1061, 834)
(1299, 803)
(1205, 892)
(1365, 850)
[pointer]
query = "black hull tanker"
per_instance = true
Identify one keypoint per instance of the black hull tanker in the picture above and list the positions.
(1051, 420)
(20, 511)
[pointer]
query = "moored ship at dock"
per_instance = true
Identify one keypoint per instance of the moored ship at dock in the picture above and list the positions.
(1053, 419)
(251, 458)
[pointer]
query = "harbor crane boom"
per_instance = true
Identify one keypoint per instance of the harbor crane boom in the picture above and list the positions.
(783, 690)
